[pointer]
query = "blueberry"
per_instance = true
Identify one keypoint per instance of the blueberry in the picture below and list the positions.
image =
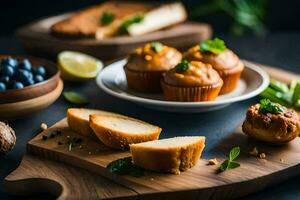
(7, 71)
(17, 85)
(25, 64)
(38, 78)
(4, 79)
(2, 87)
(22, 75)
(9, 61)
(40, 71)
(28, 82)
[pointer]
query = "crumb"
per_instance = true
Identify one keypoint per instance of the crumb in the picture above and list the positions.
(281, 160)
(212, 161)
(152, 179)
(68, 136)
(254, 152)
(90, 153)
(262, 156)
(43, 126)
(80, 147)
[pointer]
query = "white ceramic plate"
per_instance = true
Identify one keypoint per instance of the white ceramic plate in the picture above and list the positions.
(112, 80)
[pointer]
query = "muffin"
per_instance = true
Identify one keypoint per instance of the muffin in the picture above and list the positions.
(191, 81)
(271, 122)
(146, 65)
(223, 60)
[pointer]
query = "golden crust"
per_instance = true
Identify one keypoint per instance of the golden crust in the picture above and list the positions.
(120, 140)
(171, 160)
(78, 120)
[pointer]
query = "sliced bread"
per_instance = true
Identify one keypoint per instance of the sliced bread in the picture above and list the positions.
(119, 131)
(78, 120)
(168, 155)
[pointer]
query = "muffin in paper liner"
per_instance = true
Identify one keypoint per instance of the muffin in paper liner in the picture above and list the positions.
(144, 81)
(191, 94)
(230, 80)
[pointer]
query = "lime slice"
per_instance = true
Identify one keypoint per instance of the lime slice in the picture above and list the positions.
(77, 66)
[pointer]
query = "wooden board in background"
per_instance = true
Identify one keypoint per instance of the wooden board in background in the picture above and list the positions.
(37, 40)
(36, 174)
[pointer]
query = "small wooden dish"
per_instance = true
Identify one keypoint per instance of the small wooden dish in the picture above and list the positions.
(19, 109)
(36, 90)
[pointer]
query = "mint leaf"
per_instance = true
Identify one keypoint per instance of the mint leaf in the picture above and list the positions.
(107, 18)
(267, 106)
(229, 164)
(224, 165)
(157, 46)
(232, 165)
(128, 22)
(234, 153)
(75, 98)
(124, 166)
(215, 46)
(182, 66)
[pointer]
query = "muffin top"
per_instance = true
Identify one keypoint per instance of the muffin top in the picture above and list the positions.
(153, 57)
(214, 52)
(278, 120)
(192, 74)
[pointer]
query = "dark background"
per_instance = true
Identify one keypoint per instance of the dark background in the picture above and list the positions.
(281, 15)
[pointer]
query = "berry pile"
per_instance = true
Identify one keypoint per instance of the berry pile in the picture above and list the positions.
(16, 74)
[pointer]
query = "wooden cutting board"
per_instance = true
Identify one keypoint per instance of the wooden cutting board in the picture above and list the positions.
(85, 179)
(37, 40)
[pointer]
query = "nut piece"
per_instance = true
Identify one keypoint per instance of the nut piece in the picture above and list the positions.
(262, 156)
(254, 152)
(43, 126)
(212, 162)
(7, 138)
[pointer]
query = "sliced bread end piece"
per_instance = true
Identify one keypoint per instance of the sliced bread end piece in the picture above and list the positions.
(170, 155)
(78, 120)
(119, 131)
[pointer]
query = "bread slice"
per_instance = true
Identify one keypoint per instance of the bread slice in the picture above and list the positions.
(78, 120)
(119, 131)
(168, 155)
(86, 22)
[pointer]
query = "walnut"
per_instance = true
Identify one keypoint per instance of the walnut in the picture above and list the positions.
(7, 138)
(262, 156)
(212, 161)
(254, 152)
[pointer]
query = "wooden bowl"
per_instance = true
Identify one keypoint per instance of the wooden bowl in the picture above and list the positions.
(36, 90)
(9, 111)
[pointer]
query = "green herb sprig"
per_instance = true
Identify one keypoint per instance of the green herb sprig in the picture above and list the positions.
(287, 95)
(267, 106)
(157, 46)
(182, 66)
(229, 164)
(215, 46)
(107, 18)
(138, 18)
(124, 166)
(75, 98)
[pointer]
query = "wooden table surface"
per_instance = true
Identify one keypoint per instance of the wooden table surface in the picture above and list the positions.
(278, 49)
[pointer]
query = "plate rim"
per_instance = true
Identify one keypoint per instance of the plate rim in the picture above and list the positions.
(142, 100)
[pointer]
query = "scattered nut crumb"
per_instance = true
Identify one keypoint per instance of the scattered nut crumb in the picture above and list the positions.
(80, 147)
(281, 160)
(262, 156)
(212, 161)
(43, 126)
(152, 179)
(68, 136)
(90, 153)
(254, 152)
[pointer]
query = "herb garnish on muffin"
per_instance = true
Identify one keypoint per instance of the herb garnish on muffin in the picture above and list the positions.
(268, 106)
(157, 46)
(182, 66)
(215, 46)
